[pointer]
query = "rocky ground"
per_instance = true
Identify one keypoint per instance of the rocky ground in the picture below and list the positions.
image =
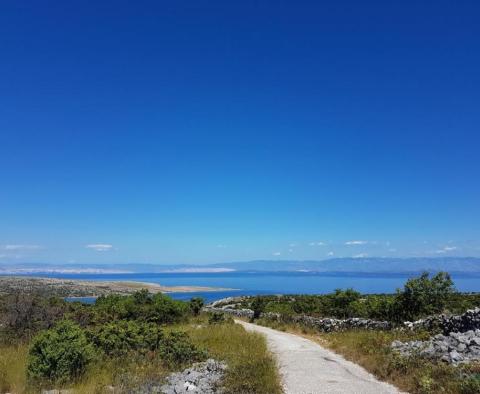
(200, 378)
(454, 348)
(459, 343)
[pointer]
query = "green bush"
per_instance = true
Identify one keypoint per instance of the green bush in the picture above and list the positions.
(219, 318)
(258, 306)
(60, 354)
(342, 302)
(470, 385)
(157, 308)
(121, 337)
(424, 296)
(177, 349)
(420, 297)
(196, 305)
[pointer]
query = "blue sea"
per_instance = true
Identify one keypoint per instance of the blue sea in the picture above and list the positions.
(253, 283)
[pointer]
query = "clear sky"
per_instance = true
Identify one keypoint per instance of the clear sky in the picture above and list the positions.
(210, 131)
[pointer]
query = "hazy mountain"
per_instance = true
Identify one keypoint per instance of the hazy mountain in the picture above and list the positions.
(338, 265)
(374, 265)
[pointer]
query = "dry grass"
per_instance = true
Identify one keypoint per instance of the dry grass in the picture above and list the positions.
(13, 362)
(13, 359)
(252, 369)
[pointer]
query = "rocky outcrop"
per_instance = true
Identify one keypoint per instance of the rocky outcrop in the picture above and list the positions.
(454, 348)
(468, 321)
(200, 378)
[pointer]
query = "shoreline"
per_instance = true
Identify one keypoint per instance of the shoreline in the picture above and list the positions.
(74, 288)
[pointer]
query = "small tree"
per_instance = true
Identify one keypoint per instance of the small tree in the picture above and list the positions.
(424, 296)
(258, 306)
(341, 302)
(60, 354)
(196, 304)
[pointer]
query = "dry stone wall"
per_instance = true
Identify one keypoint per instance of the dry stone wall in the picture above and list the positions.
(320, 324)
(468, 321)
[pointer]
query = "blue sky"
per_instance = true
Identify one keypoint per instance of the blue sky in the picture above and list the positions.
(199, 132)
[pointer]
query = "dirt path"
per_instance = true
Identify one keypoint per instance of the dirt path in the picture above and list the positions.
(308, 368)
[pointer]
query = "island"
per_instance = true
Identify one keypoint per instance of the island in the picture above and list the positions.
(87, 288)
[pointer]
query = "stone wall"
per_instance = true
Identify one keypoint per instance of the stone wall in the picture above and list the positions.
(320, 324)
(328, 325)
(454, 348)
(246, 313)
(468, 321)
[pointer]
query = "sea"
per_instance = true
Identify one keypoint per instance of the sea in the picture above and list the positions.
(262, 283)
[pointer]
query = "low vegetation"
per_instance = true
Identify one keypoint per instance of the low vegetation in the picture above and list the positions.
(412, 374)
(122, 341)
(420, 297)
(252, 368)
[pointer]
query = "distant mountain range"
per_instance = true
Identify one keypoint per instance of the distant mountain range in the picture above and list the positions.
(377, 265)
(364, 265)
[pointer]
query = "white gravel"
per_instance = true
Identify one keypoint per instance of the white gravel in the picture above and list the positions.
(308, 368)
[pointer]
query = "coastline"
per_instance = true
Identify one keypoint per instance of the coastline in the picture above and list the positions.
(74, 288)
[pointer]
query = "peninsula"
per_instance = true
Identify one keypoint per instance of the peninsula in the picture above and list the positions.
(85, 288)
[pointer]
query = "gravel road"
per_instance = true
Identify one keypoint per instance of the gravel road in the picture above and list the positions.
(308, 368)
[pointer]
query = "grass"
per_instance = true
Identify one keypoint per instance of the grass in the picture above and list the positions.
(371, 350)
(13, 363)
(252, 369)
(127, 374)
(13, 359)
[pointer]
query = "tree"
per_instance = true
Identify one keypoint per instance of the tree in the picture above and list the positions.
(341, 302)
(424, 296)
(258, 307)
(196, 304)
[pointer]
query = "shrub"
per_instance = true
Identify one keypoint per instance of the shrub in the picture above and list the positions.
(120, 337)
(123, 337)
(219, 318)
(470, 385)
(167, 310)
(157, 308)
(23, 315)
(196, 305)
(177, 349)
(258, 306)
(60, 354)
(341, 302)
